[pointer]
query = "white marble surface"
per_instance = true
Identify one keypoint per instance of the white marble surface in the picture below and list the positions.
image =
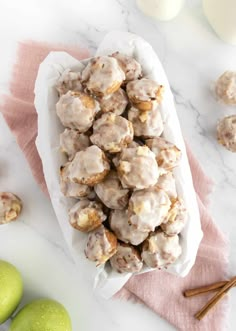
(193, 58)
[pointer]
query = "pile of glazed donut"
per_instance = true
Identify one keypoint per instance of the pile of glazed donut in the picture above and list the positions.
(119, 167)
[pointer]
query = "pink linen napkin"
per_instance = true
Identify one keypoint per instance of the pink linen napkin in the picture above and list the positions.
(159, 290)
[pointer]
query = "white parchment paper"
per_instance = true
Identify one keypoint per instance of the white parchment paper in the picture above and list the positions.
(105, 281)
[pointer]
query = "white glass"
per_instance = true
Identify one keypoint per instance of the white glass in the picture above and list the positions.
(163, 10)
(221, 14)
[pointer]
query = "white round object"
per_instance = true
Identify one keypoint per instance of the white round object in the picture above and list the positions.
(221, 16)
(163, 10)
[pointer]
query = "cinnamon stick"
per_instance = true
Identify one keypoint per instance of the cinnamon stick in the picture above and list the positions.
(203, 313)
(204, 289)
(216, 298)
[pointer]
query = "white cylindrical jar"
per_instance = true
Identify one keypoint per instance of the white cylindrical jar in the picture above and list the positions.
(221, 14)
(162, 10)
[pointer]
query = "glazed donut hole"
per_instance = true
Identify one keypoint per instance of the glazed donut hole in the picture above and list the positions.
(102, 76)
(148, 208)
(69, 81)
(101, 245)
(225, 88)
(115, 103)
(226, 132)
(144, 93)
(116, 158)
(111, 192)
(89, 167)
(10, 207)
(112, 133)
(71, 141)
(160, 250)
(176, 218)
(70, 189)
(146, 124)
(167, 154)
(86, 215)
(77, 110)
(166, 182)
(137, 168)
(124, 231)
(129, 65)
(127, 259)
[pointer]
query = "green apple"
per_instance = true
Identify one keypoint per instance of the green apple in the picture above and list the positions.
(42, 315)
(11, 289)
